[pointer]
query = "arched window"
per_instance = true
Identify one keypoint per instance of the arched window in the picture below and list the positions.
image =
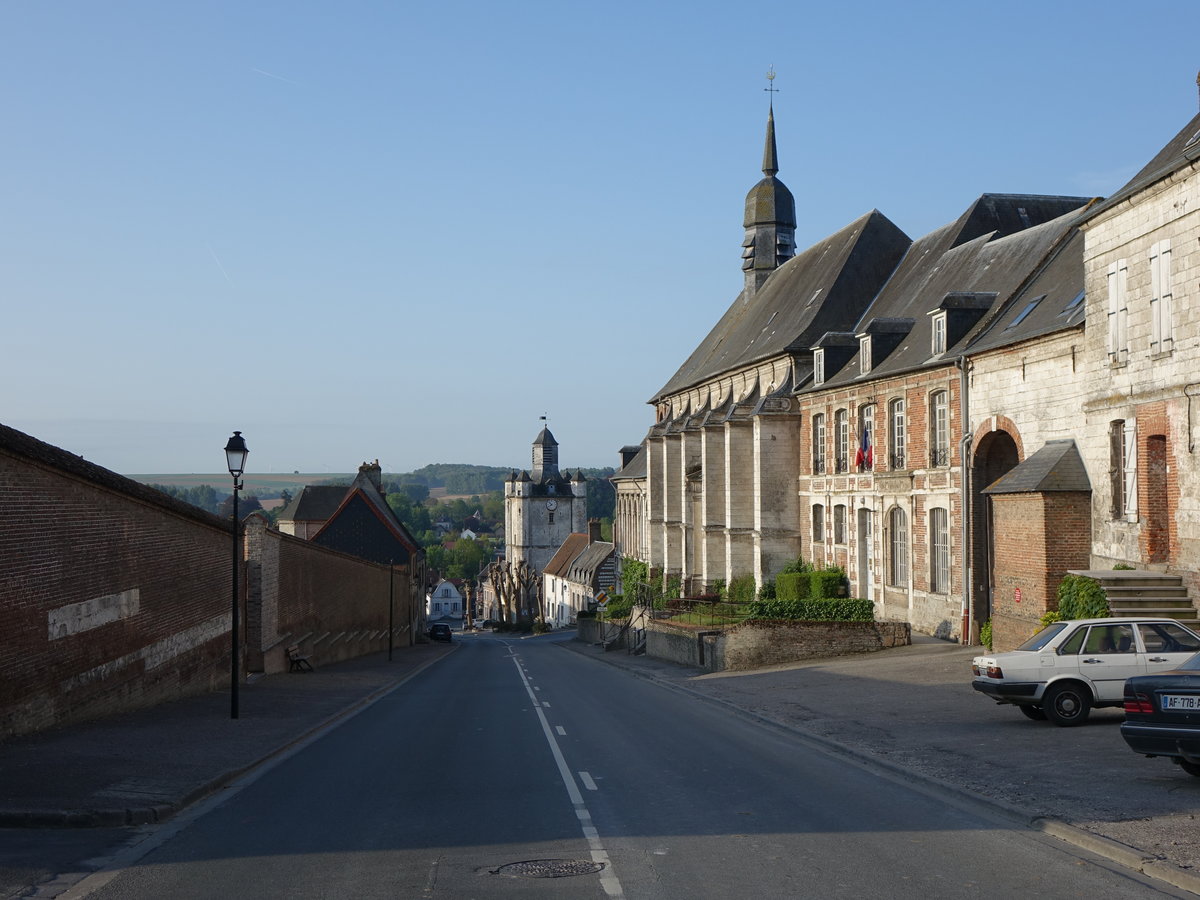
(939, 429)
(898, 548)
(897, 432)
(841, 440)
(939, 547)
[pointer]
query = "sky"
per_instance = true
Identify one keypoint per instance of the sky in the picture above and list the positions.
(406, 231)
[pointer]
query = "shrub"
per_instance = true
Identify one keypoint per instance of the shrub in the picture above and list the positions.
(1080, 597)
(797, 565)
(767, 591)
(1122, 567)
(793, 586)
(540, 627)
(985, 634)
(839, 609)
(742, 588)
(718, 588)
(829, 583)
(586, 614)
(1050, 617)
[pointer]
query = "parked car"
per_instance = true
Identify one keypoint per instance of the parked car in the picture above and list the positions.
(1068, 668)
(1162, 715)
(440, 631)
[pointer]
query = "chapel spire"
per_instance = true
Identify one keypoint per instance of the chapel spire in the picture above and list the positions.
(770, 220)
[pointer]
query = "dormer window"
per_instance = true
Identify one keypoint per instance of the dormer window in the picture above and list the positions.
(818, 367)
(864, 354)
(939, 333)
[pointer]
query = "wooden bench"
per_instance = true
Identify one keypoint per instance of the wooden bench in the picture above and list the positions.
(296, 661)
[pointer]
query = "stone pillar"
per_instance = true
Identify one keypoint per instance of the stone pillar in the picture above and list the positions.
(672, 508)
(713, 561)
(655, 503)
(739, 499)
(776, 446)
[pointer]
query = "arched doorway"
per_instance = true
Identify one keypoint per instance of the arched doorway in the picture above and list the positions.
(995, 456)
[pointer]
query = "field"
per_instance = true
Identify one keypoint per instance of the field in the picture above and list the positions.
(259, 485)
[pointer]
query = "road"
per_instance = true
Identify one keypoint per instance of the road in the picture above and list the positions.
(514, 758)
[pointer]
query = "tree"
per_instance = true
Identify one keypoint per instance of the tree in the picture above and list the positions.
(245, 506)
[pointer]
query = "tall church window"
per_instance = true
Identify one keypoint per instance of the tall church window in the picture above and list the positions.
(1161, 335)
(897, 432)
(841, 439)
(897, 569)
(939, 558)
(1118, 313)
(818, 437)
(939, 429)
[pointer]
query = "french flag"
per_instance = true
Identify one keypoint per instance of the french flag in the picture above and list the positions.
(865, 457)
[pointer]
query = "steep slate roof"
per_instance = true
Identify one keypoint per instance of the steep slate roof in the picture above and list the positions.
(992, 248)
(587, 565)
(560, 562)
(636, 467)
(1179, 151)
(1057, 466)
(363, 491)
(315, 502)
(825, 288)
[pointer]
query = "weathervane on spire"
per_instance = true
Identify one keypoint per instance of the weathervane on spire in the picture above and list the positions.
(770, 88)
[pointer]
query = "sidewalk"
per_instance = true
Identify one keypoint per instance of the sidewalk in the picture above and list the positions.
(912, 710)
(144, 766)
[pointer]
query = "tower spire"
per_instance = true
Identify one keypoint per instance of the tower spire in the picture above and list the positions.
(770, 153)
(770, 220)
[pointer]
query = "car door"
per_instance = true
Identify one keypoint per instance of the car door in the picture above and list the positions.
(1166, 645)
(1110, 655)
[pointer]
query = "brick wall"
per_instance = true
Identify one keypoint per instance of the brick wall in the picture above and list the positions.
(117, 597)
(1038, 538)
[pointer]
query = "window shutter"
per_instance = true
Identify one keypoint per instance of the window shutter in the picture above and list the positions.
(1116, 468)
(1130, 473)
(1155, 300)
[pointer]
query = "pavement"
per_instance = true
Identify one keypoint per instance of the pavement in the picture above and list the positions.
(67, 792)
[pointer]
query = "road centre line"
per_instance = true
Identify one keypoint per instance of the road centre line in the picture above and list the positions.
(562, 732)
(608, 876)
(587, 781)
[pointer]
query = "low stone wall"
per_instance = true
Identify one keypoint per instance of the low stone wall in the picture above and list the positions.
(755, 644)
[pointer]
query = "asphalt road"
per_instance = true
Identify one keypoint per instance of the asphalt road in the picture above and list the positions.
(513, 759)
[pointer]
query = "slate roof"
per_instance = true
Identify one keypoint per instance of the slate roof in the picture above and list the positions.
(634, 469)
(1179, 151)
(560, 562)
(364, 488)
(1057, 466)
(586, 565)
(314, 503)
(994, 247)
(825, 288)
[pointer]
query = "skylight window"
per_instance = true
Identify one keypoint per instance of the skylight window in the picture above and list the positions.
(1029, 307)
(1072, 306)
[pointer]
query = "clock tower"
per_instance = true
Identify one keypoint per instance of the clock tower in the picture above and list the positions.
(542, 506)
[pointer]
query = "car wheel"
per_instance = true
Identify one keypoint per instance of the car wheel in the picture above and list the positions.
(1190, 767)
(1067, 703)
(1032, 712)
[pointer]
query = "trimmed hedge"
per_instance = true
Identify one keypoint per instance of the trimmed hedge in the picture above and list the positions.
(823, 584)
(837, 609)
(741, 589)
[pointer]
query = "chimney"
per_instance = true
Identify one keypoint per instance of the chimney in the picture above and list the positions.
(374, 473)
(594, 531)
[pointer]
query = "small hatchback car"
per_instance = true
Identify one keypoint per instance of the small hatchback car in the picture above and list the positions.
(440, 631)
(1068, 668)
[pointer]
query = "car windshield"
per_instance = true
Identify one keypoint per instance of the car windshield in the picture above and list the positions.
(1043, 637)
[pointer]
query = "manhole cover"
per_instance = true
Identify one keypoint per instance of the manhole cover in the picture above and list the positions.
(550, 868)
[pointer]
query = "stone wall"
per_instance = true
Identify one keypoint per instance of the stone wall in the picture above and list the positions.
(753, 645)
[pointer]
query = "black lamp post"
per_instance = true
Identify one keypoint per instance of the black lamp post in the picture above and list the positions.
(235, 456)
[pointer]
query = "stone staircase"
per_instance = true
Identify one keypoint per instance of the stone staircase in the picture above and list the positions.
(1134, 593)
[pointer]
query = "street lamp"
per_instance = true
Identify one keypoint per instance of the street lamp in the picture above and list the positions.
(235, 456)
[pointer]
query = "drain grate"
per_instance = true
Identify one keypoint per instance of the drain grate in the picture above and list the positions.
(550, 868)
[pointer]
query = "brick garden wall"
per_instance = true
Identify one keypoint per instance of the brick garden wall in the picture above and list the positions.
(115, 596)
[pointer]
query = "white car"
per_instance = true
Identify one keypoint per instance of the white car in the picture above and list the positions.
(1068, 668)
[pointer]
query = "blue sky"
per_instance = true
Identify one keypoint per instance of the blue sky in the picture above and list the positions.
(405, 231)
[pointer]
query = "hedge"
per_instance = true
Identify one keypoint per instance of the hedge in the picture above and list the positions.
(837, 609)
(793, 586)
(818, 585)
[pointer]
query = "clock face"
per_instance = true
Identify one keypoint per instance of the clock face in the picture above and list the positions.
(552, 505)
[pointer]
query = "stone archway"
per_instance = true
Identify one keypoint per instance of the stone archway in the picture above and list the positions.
(997, 452)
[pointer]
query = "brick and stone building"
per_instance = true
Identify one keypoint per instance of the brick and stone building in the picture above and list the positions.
(542, 506)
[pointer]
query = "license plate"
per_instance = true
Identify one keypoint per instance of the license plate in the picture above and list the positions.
(1185, 702)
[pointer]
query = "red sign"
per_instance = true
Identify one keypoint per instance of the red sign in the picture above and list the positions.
(1017, 595)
